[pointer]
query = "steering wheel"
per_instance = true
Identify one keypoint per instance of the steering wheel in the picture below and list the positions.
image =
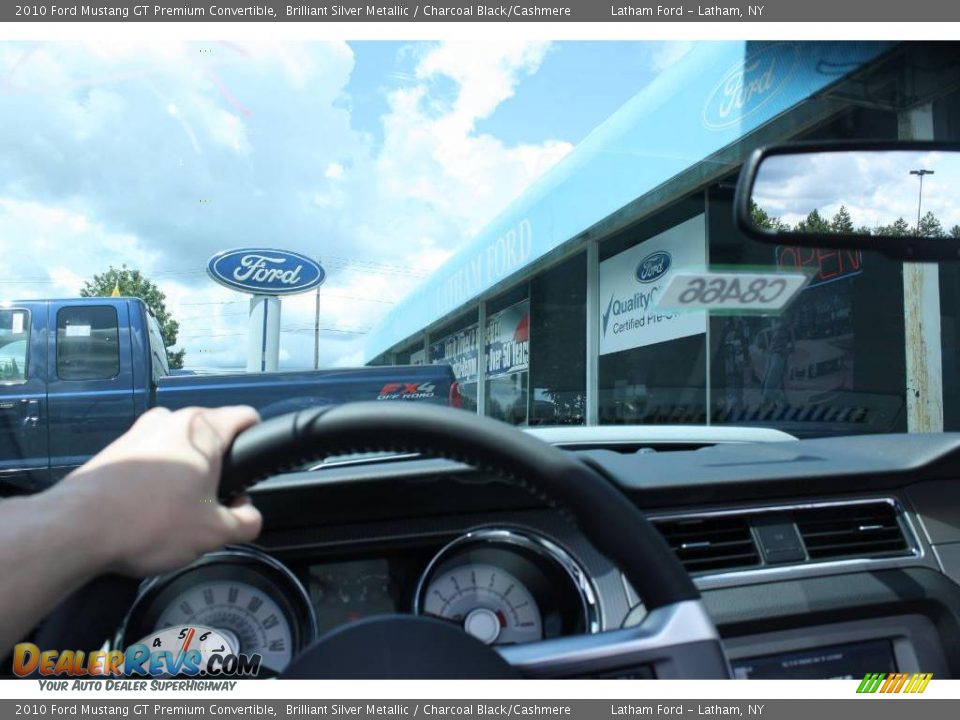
(677, 639)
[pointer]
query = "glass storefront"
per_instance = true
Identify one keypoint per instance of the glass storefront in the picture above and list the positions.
(457, 345)
(946, 118)
(652, 365)
(507, 353)
(558, 349)
(824, 365)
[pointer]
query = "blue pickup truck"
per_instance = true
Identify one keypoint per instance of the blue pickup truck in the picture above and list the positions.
(74, 374)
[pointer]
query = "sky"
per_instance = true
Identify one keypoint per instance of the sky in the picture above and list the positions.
(378, 158)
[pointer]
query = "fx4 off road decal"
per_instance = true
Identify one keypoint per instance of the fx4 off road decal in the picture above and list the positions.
(407, 391)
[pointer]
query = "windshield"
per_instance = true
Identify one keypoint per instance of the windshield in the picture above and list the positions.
(478, 224)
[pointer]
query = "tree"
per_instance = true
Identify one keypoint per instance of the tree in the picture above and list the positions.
(842, 222)
(930, 226)
(899, 228)
(132, 283)
(761, 218)
(815, 223)
(955, 232)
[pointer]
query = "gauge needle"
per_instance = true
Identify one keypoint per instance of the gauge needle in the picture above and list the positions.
(186, 641)
(453, 621)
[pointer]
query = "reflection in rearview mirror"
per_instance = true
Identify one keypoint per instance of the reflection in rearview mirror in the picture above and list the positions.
(855, 195)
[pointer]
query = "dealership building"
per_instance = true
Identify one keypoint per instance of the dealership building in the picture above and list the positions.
(544, 319)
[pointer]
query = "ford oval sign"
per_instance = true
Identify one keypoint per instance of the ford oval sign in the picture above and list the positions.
(749, 85)
(265, 272)
(653, 267)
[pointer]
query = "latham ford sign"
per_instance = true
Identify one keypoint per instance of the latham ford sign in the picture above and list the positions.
(265, 271)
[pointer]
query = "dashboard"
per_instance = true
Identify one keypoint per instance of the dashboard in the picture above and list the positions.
(816, 559)
(503, 586)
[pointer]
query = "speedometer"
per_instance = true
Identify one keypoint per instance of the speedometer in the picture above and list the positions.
(247, 613)
(242, 594)
(490, 604)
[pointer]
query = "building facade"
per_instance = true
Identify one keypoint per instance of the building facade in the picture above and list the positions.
(546, 320)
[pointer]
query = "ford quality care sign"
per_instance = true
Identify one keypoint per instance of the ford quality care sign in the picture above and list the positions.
(632, 281)
(265, 271)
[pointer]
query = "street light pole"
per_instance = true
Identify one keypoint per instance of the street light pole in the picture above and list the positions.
(920, 173)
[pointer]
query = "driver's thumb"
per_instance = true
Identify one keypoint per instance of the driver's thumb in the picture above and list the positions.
(242, 519)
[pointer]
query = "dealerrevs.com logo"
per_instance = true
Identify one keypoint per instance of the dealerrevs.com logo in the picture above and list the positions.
(185, 652)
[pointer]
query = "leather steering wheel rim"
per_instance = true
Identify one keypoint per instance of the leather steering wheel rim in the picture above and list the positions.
(677, 638)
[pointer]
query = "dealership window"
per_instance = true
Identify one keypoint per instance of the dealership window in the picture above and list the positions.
(652, 365)
(833, 361)
(14, 345)
(558, 344)
(88, 346)
(412, 354)
(457, 344)
(507, 356)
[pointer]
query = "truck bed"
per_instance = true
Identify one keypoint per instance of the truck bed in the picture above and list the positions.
(275, 393)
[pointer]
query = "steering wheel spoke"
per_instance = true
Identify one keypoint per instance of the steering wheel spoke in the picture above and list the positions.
(674, 641)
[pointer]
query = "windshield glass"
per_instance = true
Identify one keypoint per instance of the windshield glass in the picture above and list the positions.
(473, 224)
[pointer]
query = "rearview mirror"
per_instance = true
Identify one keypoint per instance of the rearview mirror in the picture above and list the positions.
(899, 198)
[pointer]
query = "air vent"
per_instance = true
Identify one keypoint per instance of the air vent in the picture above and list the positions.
(711, 544)
(861, 530)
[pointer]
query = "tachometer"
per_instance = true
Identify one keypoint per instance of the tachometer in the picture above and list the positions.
(507, 586)
(490, 604)
(244, 595)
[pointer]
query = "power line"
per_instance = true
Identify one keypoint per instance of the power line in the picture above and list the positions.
(191, 336)
(324, 293)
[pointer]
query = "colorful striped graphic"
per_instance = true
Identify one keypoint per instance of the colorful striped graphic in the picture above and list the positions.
(894, 682)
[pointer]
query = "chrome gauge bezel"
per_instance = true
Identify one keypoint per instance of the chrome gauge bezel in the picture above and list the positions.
(285, 584)
(506, 537)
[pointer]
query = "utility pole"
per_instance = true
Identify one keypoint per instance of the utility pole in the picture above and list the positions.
(316, 331)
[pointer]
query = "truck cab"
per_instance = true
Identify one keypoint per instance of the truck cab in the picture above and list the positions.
(73, 376)
(76, 373)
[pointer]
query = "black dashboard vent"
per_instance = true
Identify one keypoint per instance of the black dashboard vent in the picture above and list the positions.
(710, 544)
(851, 530)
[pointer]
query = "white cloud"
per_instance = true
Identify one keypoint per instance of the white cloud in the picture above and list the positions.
(432, 152)
(48, 251)
(159, 155)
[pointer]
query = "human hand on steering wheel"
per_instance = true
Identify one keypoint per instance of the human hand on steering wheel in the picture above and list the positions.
(145, 504)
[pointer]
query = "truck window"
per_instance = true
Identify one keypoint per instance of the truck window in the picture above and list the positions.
(158, 353)
(88, 346)
(14, 345)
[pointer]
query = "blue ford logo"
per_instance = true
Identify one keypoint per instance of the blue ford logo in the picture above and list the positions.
(265, 272)
(653, 266)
